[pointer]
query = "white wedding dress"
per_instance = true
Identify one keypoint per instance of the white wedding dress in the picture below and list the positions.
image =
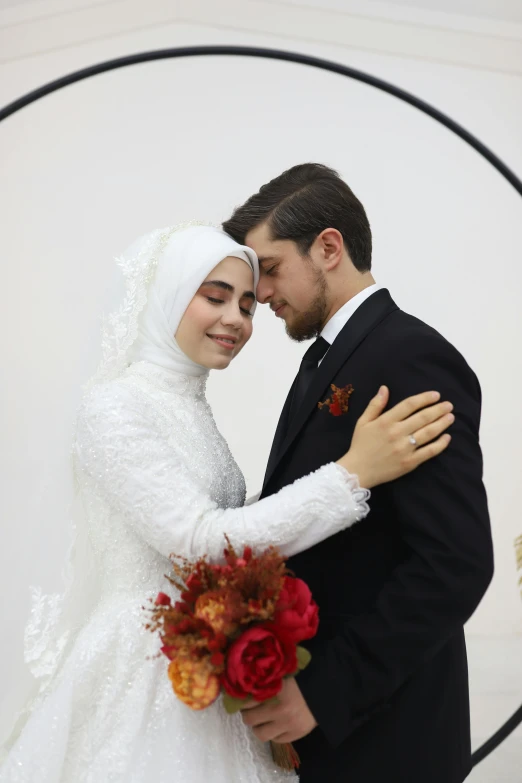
(157, 477)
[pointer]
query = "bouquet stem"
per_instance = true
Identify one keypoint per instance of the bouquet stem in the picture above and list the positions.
(285, 755)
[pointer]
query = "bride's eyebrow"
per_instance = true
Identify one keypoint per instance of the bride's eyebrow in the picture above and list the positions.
(219, 284)
(228, 287)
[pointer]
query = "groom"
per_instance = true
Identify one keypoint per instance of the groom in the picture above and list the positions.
(385, 697)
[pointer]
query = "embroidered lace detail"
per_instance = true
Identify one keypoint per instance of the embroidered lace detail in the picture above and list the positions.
(166, 380)
(43, 654)
(360, 496)
(45, 638)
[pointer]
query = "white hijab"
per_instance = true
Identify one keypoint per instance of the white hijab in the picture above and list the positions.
(187, 259)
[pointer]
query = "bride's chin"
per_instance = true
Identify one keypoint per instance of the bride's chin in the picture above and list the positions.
(218, 362)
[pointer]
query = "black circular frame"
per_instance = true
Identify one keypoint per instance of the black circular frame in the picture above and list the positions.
(325, 65)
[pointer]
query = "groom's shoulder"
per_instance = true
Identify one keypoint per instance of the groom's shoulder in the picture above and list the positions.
(406, 325)
(398, 326)
(405, 333)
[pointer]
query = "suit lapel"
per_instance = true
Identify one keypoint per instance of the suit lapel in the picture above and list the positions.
(363, 321)
(282, 427)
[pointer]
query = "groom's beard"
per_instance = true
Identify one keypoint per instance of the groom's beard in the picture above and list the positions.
(310, 324)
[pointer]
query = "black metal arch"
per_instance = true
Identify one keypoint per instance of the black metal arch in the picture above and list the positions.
(269, 54)
(325, 65)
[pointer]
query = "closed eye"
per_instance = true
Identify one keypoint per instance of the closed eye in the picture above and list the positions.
(244, 310)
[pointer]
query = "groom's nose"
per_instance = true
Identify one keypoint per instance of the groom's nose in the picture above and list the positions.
(265, 290)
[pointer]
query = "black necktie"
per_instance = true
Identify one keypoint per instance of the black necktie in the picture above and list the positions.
(306, 371)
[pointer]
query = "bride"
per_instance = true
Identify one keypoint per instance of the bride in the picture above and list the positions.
(155, 477)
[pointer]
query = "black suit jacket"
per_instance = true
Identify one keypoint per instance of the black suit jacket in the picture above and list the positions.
(388, 678)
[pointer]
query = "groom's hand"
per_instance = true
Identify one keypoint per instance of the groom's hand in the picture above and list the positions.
(284, 720)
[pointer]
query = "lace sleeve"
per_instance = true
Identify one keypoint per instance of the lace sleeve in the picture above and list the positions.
(130, 465)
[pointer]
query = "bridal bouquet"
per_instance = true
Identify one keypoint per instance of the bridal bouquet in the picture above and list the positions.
(235, 630)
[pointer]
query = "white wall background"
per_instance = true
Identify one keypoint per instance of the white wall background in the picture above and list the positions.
(91, 167)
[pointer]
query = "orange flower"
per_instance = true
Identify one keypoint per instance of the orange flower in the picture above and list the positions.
(220, 609)
(194, 682)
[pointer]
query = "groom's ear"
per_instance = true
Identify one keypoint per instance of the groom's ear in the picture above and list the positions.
(330, 248)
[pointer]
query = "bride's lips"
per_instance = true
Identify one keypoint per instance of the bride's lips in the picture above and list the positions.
(224, 340)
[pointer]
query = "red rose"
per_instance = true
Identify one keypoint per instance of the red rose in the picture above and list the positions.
(297, 613)
(162, 600)
(257, 662)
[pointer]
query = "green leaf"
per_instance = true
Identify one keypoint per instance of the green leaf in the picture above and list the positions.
(231, 704)
(303, 657)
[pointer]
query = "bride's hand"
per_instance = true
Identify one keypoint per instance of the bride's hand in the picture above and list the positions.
(381, 449)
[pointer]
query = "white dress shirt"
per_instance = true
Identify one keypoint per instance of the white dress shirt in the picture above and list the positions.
(339, 320)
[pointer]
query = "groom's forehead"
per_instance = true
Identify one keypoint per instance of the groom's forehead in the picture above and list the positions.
(267, 249)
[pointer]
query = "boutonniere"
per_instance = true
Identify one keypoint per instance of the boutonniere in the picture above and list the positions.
(338, 402)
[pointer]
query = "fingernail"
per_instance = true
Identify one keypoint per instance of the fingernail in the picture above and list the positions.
(450, 417)
(435, 395)
(382, 391)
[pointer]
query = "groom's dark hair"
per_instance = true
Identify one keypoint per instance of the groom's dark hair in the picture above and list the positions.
(299, 204)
